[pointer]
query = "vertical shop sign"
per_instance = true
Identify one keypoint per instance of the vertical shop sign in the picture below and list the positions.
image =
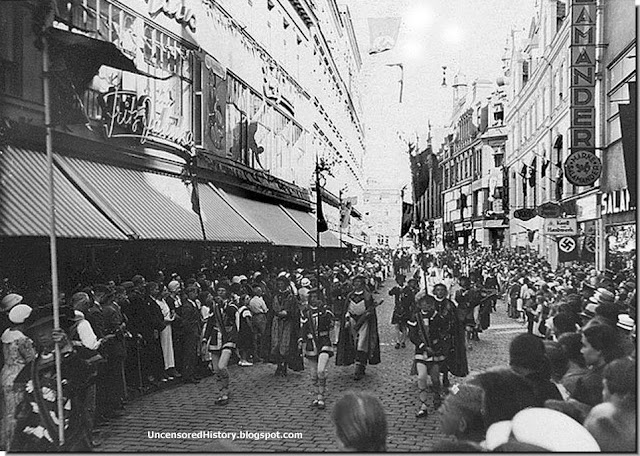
(583, 167)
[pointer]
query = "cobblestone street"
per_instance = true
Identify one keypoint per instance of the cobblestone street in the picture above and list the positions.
(261, 402)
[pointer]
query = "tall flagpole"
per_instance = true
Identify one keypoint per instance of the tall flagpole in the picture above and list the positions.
(52, 221)
(317, 247)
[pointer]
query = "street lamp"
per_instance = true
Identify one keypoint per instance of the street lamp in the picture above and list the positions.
(401, 66)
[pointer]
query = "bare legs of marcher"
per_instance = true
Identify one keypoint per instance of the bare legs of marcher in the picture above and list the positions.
(219, 363)
(428, 369)
(319, 378)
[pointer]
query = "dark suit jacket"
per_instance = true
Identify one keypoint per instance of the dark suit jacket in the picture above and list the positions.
(191, 318)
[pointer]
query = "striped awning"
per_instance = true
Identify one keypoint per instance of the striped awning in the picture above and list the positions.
(352, 240)
(308, 222)
(24, 204)
(270, 220)
(148, 205)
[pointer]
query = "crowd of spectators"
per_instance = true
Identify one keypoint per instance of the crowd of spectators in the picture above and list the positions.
(138, 335)
(576, 364)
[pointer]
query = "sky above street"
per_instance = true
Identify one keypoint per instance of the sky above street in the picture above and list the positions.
(467, 36)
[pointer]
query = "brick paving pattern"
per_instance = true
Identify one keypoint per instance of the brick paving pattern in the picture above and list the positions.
(261, 402)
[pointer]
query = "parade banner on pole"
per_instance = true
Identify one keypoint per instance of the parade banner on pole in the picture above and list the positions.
(407, 217)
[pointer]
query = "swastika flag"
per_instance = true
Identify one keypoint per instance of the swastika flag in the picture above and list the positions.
(568, 249)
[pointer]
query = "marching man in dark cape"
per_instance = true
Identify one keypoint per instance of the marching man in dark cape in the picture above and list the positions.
(434, 330)
(359, 340)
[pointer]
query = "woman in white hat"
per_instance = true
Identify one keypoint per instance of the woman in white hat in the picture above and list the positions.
(18, 351)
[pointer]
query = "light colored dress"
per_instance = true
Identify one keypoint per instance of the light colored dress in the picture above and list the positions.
(166, 335)
(18, 351)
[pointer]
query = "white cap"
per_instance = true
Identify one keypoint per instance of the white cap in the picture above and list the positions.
(305, 282)
(545, 428)
(235, 279)
(19, 313)
(242, 277)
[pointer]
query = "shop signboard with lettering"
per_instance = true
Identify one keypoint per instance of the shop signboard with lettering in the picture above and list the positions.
(525, 214)
(560, 226)
(582, 166)
(125, 114)
(550, 210)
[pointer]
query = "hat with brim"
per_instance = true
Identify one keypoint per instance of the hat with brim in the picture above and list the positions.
(629, 286)
(589, 311)
(174, 285)
(544, 428)
(605, 294)
(625, 322)
(305, 282)
(10, 300)
(599, 299)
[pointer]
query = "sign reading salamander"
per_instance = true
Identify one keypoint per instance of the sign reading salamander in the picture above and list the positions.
(582, 167)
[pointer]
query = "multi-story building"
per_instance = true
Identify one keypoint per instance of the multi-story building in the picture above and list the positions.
(472, 167)
(537, 118)
(383, 210)
(545, 86)
(618, 201)
(145, 95)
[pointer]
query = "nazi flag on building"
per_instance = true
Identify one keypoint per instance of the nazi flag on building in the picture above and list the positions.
(568, 249)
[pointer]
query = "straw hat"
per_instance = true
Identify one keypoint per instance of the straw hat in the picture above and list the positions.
(625, 322)
(10, 300)
(589, 311)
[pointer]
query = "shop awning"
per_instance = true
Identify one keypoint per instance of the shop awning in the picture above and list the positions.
(24, 204)
(147, 205)
(308, 223)
(270, 220)
(352, 240)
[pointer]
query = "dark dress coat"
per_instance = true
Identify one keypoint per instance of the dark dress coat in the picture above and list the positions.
(285, 331)
(346, 349)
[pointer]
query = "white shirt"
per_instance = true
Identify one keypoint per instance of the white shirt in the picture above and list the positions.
(257, 305)
(164, 308)
(87, 336)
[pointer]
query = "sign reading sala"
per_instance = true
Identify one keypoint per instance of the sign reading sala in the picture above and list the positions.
(127, 115)
(582, 95)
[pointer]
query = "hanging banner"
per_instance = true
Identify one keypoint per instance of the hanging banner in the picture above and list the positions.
(568, 249)
(383, 33)
(582, 167)
(215, 105)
